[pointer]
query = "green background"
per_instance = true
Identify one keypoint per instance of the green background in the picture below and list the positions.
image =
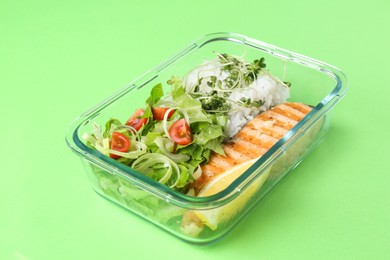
(59, 58)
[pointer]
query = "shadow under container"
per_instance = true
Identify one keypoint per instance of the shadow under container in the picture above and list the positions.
(313, 82)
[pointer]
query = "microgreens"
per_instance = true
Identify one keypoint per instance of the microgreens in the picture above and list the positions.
(240, 74)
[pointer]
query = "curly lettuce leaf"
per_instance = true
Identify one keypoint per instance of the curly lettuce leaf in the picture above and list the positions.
(110, 125)
(192, 106)
(156, 94)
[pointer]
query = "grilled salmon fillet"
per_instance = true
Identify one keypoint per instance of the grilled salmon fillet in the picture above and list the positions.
(254, 139)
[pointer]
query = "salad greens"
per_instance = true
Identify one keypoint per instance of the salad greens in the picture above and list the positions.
(152, 151)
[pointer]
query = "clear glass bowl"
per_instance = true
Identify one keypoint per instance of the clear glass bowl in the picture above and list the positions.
(313, 82)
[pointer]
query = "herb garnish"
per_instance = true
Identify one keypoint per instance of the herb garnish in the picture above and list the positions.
(213, 92)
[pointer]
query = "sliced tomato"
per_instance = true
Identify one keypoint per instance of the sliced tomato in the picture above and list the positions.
(180, 132)
(120, 143)
(159, 112)
(136, 121)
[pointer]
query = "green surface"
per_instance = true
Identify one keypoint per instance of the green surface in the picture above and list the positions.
(57, 59)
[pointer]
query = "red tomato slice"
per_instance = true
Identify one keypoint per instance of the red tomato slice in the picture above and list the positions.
(180, 132)
(136, 121)
(159, 112)
(120, 143)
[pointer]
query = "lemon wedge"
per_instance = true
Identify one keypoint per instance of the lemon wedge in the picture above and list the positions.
(213, 217)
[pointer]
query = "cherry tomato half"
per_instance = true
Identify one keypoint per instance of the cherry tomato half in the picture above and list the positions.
(120, 143)
(136, 121)
(159, 112)
(180, 132)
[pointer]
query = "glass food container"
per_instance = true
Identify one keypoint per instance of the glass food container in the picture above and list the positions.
(313, 82)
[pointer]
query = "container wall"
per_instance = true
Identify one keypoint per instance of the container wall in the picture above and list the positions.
(127, 194)
(202, 226)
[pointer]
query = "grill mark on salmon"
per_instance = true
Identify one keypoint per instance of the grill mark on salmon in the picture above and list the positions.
(249, 148)
(267, 127)
(219, 161)
(254, 139)
(300, 107)
(208, 170)
(291, 111)
(279, 119)
(230, 151)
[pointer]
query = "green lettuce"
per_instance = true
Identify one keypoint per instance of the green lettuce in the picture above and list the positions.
(192, 106)
(165, 161)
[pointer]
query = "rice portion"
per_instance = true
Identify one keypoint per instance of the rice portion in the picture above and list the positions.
(266, 89)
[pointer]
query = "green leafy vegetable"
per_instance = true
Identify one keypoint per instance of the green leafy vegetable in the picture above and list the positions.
(156, 94)
(152, 151)
(191, 106)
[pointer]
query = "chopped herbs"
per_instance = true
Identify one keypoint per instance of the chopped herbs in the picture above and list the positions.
(215, 103)
(248, 102)
(254, 70)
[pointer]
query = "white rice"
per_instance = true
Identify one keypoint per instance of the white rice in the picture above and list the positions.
(265, 88)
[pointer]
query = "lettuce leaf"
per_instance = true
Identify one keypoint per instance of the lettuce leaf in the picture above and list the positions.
(110, 125)
(156, 94)
(192, 106)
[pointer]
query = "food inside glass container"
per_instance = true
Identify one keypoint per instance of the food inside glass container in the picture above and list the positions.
(212, 125)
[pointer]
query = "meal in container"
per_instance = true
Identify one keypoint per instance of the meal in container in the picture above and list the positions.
(194, 143)
(215, 122)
